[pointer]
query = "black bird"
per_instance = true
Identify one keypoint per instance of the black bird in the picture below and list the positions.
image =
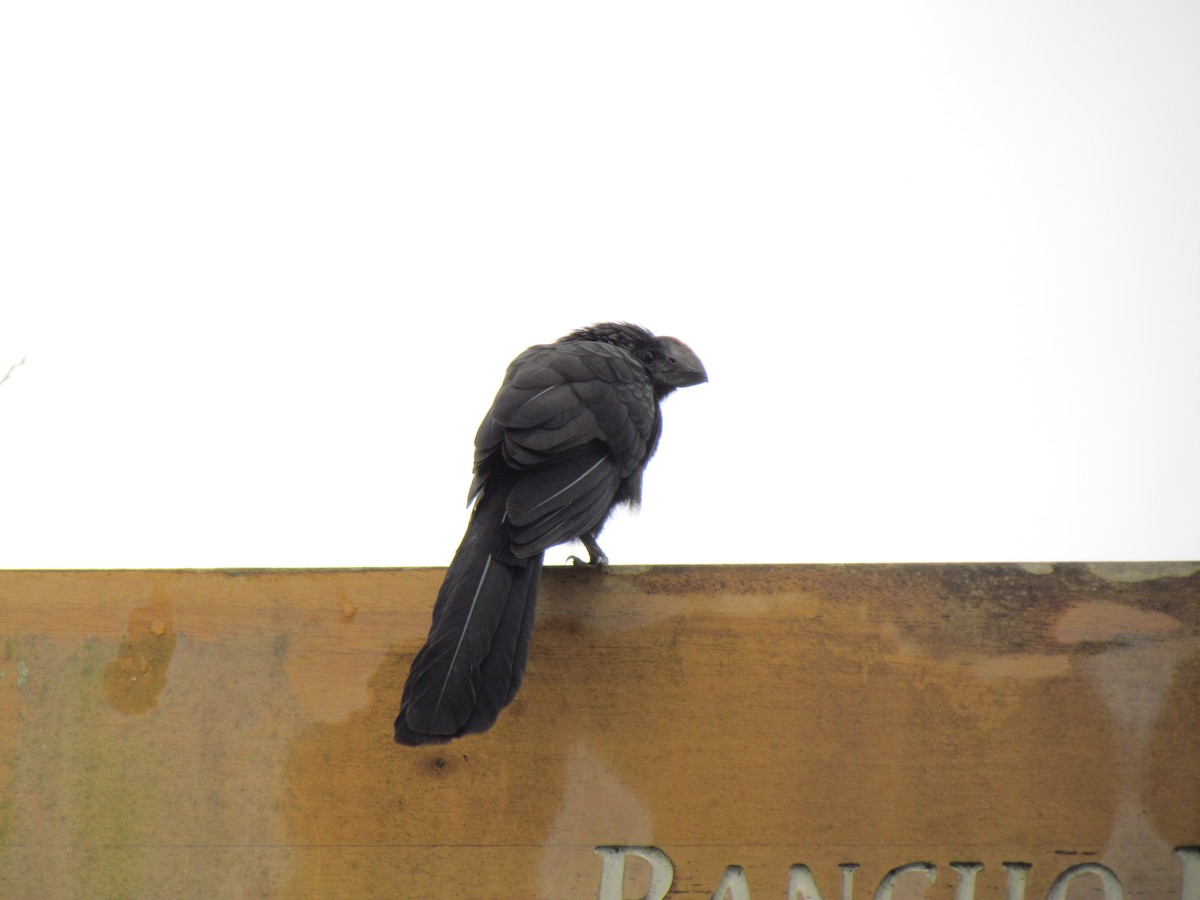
(565, 442)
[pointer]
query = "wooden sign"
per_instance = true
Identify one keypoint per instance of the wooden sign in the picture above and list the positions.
(800, 732)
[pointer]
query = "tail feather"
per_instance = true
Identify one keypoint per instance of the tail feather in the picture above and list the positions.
(502, 671)
(474, 657)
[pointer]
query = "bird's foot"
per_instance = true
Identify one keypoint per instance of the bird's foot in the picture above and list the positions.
(596, 557)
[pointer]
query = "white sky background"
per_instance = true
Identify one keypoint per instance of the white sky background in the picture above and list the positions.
(267, 262)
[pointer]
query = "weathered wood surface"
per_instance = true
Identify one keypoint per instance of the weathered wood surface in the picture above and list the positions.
(228, 734)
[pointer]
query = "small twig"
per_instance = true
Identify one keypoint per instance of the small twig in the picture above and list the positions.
(10, 370)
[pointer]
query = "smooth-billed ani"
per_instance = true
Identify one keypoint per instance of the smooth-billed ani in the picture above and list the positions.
(565, 442)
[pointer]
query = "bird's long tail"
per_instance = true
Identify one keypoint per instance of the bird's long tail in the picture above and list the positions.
(474, 658)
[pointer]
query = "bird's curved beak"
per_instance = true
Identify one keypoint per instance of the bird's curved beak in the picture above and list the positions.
(686, 368)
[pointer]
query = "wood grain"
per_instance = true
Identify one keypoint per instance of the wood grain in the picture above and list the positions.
(228, 734)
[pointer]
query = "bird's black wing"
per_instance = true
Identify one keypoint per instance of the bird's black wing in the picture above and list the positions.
(574, 421)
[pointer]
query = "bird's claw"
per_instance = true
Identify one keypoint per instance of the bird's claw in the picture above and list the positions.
(596, 557)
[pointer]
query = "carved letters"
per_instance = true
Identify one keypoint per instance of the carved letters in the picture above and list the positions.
(801, 884)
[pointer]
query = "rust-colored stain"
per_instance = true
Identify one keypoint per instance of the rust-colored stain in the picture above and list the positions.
(133, 680)
(215, 734)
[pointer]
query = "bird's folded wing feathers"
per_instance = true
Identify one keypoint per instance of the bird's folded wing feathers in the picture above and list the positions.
(557, 503)
(569, 417)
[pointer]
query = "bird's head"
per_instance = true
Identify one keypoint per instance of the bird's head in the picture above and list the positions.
(669, 362)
